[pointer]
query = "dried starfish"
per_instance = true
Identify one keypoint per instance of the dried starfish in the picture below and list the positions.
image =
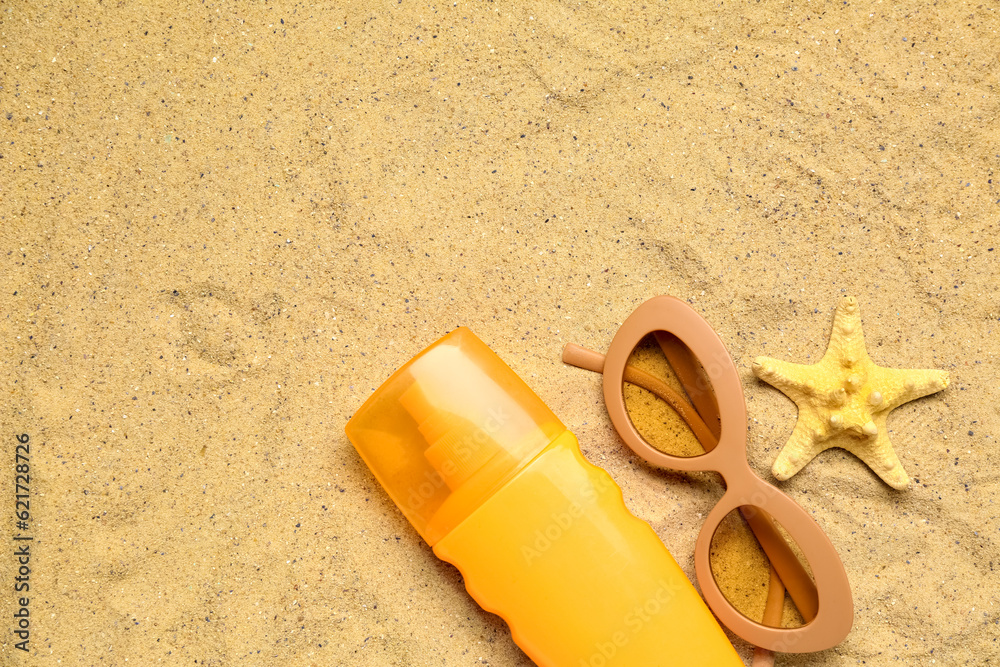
(844, 400)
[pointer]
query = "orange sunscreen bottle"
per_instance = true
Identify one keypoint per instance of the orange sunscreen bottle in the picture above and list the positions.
(497, 486)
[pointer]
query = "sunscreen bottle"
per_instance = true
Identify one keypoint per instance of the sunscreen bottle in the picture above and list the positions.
(496, 485)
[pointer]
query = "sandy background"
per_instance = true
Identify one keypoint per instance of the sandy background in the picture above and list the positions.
(222, 227)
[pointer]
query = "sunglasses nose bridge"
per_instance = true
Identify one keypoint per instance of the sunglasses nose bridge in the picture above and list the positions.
(731, 460)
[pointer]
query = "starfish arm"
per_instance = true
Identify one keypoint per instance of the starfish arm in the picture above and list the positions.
(792, 379)
(900, 386)
(881, 458)
(847, 342)
(801, 448)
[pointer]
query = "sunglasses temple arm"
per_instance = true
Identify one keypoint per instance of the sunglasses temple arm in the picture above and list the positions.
(685, 367)
(794, 577)
(772, 617)
(686, 411)
(581, 357)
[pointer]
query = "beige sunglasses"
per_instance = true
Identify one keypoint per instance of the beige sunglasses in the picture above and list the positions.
(716, 415)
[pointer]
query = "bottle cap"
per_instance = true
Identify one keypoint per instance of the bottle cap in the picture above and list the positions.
(448, 429)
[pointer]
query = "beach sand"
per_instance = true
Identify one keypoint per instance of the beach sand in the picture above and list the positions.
(223, 226)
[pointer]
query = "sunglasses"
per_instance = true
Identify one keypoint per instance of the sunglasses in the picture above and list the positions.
(715, 419)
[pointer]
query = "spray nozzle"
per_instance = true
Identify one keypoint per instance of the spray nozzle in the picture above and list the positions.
(457, 447)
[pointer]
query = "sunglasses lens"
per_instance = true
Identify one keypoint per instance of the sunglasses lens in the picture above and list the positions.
(743, 571)
(669, 397)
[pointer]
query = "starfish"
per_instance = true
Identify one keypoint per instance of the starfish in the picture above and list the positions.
(844, 400)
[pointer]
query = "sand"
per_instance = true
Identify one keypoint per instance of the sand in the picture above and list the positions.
(223, 226)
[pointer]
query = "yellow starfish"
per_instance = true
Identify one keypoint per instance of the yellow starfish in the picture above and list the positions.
(844, 400)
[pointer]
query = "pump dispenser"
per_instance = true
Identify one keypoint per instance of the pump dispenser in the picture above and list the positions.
(496, 485)
(457, 447)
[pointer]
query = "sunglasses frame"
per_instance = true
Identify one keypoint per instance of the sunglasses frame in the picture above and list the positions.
(835, 613)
